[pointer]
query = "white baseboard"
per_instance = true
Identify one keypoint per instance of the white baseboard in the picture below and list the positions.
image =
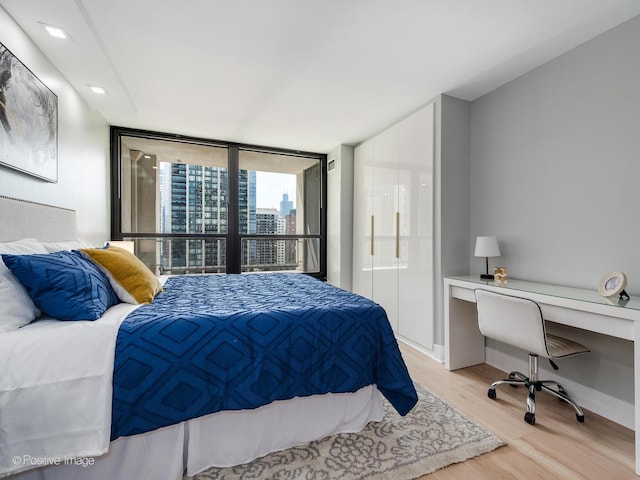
(598, 402)
(436, 353)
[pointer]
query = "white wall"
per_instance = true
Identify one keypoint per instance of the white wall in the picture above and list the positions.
(555, 175)
(340, 217)
(83, 147)
(451, 193)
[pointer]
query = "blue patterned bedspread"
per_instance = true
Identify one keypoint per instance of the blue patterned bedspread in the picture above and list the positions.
(229, 342)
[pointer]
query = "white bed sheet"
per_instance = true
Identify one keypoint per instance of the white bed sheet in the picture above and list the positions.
(70, 364)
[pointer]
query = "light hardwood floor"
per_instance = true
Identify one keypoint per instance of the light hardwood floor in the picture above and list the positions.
(556, 447)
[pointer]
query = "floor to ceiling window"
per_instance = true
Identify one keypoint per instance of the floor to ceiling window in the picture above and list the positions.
(200, 206)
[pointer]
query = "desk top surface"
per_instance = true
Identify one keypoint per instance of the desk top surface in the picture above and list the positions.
(581, 294)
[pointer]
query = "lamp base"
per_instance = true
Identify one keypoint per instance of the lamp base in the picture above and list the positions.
(486, 277)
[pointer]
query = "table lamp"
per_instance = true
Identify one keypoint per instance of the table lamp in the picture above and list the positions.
(487, 247)
(126, 244)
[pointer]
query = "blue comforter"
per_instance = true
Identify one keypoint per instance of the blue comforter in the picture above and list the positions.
(230, 342)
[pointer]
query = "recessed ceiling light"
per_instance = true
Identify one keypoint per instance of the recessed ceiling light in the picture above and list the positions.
(57, 32)
(97, 90)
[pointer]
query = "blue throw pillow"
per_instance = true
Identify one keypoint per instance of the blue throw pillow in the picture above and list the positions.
(64, 285)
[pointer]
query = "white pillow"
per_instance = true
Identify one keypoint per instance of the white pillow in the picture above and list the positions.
(26, 246)
(53, 247)
(16, 308)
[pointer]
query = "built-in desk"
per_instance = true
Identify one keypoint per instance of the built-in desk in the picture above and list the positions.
(581, 308)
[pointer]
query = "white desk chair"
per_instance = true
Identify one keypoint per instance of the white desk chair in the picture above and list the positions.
(518, 322)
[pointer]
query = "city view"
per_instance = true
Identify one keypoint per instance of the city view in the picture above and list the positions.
(194, 199)
(187, 213)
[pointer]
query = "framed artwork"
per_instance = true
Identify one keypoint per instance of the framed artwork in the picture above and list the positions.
(28, 120)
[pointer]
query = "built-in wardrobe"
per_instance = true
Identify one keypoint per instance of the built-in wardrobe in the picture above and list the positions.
(405, 226)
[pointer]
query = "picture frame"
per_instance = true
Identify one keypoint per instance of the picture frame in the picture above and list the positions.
(613, 284)
(28, 120)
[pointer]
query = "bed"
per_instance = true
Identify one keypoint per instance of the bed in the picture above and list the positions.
(217, 370)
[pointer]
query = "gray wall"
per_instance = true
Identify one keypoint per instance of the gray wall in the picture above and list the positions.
(83, 147)
(555, 165)
(555, 175)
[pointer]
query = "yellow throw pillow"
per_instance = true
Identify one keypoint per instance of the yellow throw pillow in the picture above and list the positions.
(132, 281)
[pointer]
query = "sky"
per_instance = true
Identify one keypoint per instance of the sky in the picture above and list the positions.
(271, 186)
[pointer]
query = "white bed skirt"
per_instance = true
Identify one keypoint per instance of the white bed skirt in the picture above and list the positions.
(223, 439)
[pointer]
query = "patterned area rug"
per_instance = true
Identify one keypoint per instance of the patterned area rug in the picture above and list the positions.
(432, 436)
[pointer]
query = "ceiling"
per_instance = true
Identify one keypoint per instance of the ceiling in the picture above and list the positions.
(305, 75)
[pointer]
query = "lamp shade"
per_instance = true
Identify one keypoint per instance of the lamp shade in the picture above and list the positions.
(487, 247)
(126, 244)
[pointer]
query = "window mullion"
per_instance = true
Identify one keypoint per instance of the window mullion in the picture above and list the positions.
(233, 237)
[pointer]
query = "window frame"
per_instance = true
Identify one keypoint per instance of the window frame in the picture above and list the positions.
(232, 238)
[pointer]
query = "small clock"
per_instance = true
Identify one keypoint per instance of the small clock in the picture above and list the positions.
(612, 284)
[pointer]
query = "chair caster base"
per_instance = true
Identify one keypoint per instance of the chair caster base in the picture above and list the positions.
(580, 418)
(492, 393)
(562, 391)
(530, 418)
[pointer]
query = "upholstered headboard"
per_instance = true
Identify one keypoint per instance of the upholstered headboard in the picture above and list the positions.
(26, 219)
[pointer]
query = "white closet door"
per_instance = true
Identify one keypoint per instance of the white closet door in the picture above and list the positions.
(385, 262)
(363, 191)
(415, 270)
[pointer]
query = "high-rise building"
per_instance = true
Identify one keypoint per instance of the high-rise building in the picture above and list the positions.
(247, 213)
(266, 250)
(281, 229)
(194, 199)
(290, 257)
(286, 205)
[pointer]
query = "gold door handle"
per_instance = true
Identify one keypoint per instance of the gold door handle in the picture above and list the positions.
(397, 234)
(371, 235)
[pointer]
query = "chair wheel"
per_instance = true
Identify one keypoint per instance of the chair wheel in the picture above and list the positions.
(580, 418)
(530, 418)
(512, 377)
(492, 393)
